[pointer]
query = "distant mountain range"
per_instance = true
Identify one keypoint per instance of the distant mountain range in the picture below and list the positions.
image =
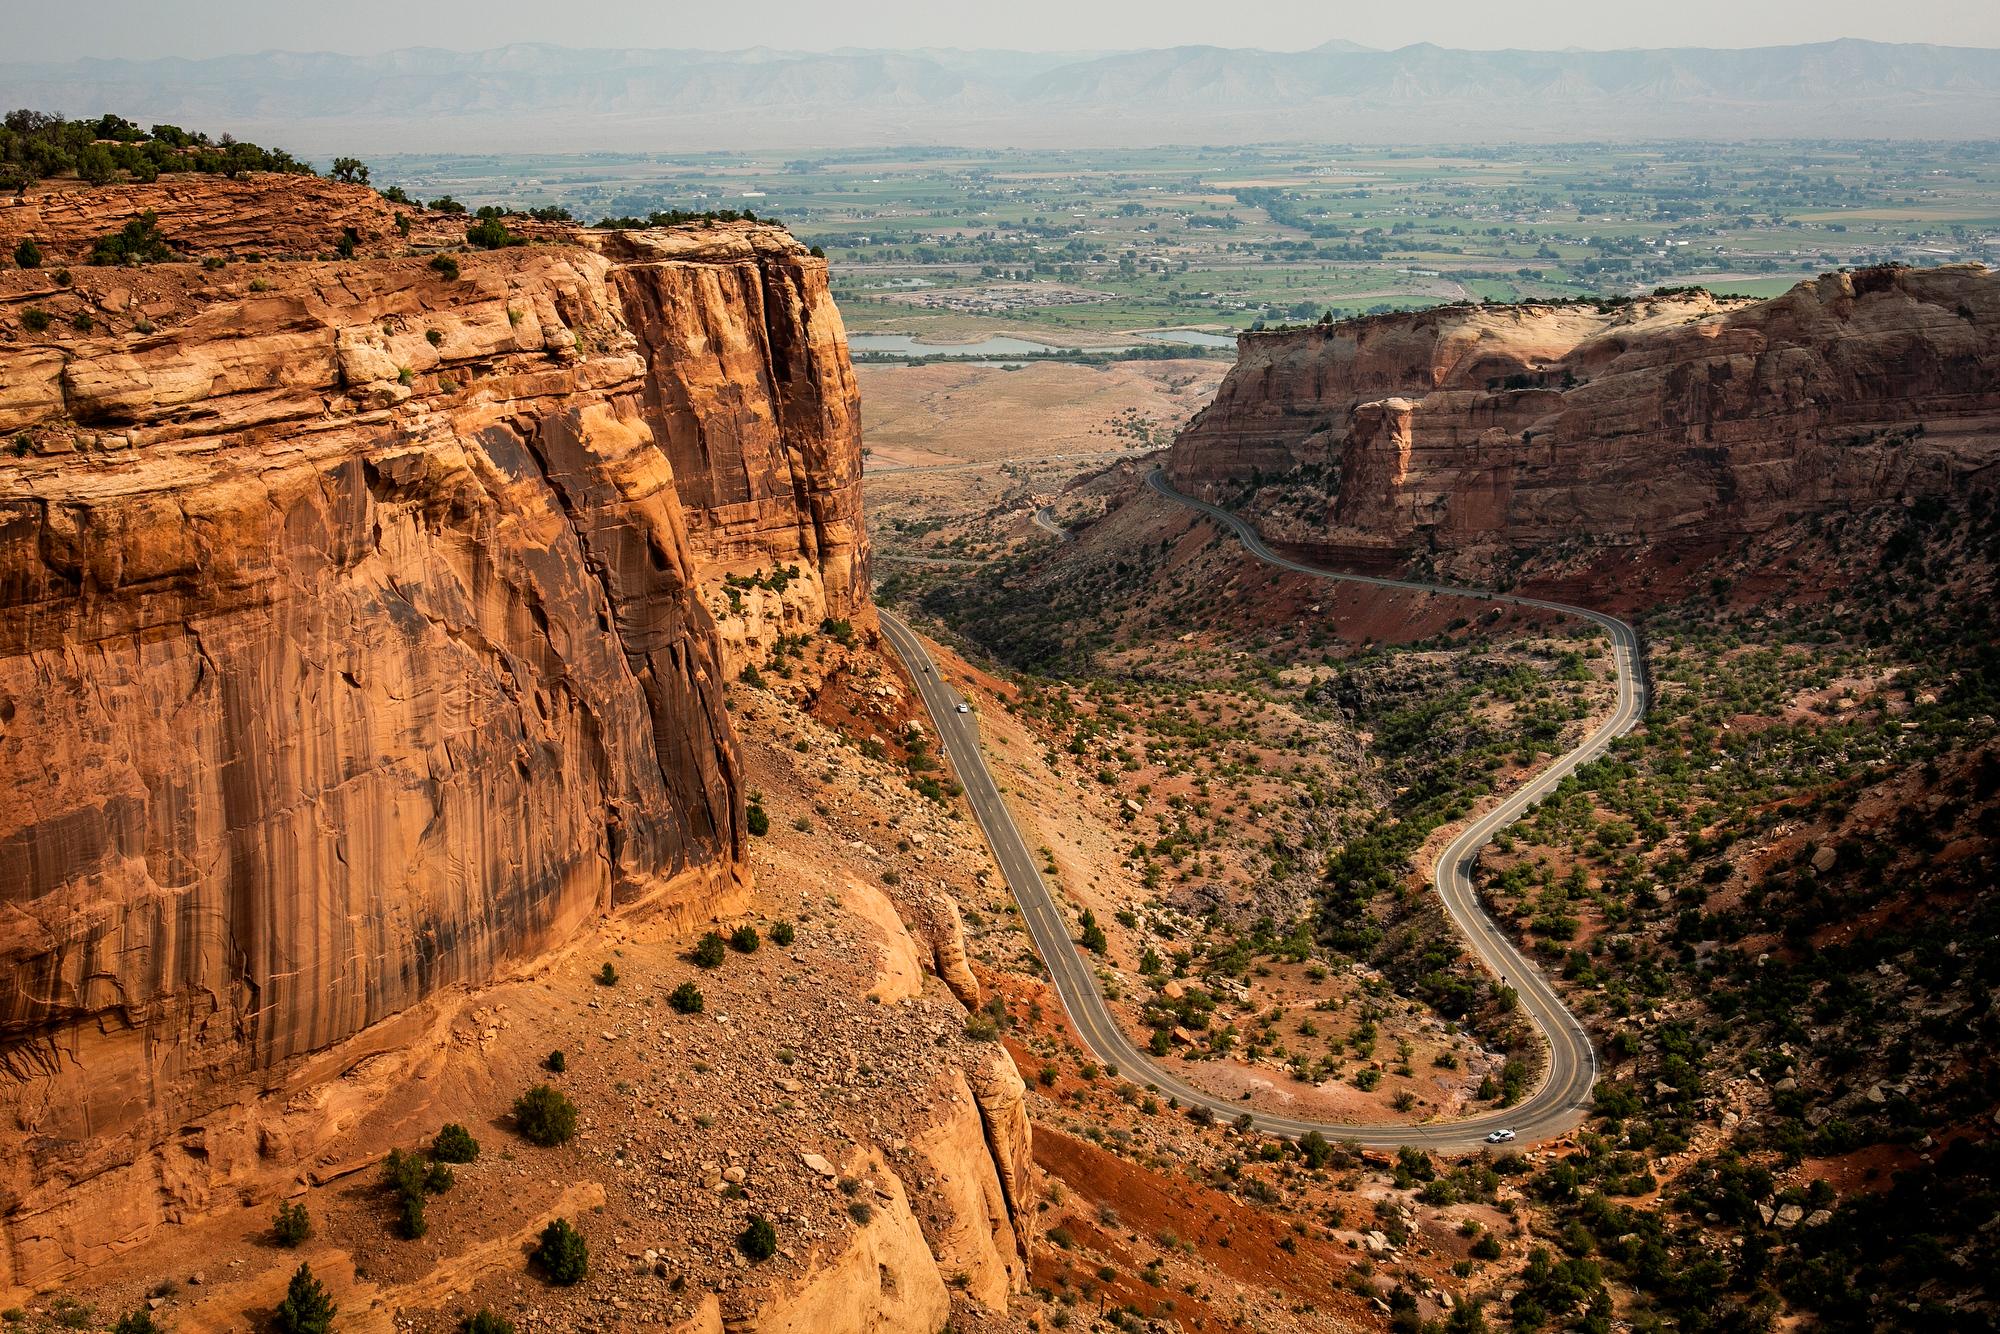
(551, 98)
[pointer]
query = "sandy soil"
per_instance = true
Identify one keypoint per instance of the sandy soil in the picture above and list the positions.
(976, 413)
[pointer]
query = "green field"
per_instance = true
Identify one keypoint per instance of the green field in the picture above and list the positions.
(1080, 246)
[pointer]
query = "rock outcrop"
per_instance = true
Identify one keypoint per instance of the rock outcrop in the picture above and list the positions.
(1476, 437)
(978, 1238)
(757, 411)
(355, 639)
(257, 215)
(884, 1281)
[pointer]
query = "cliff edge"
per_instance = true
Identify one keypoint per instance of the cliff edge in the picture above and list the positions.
(356, 632)
(1476, 439)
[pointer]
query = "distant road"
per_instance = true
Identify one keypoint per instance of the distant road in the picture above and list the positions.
(1045, 519)
(1554, 1107)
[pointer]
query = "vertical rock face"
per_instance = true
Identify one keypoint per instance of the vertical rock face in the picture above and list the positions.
(1472, 436)
(353, 644)
(751, 397)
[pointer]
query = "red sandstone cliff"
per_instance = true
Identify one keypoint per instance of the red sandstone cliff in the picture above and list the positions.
(271, 217)
(1477, 436)
(355, 638)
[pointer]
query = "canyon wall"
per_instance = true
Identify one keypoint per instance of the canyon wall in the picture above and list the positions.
(356, 639)
(1474, 438)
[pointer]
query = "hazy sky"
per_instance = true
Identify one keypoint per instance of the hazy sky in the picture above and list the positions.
(38, 30)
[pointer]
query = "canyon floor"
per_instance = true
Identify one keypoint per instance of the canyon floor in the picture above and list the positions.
(828, 1086)
(959, 456)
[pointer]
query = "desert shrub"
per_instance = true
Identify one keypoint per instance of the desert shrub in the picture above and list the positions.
(1093, 937)
(454, 1144)
(744, 938)
(349, 171)
(411, 1178)
(138, 1322)
(446, 204)
(757, 820)
(491, 234)
(782, 934)
(708, 951)
(562, 1254)
(484, 1321)
(82, 322)
(28, 255)
(410, 1221)
(759, 1240)
(446, 266)
(34, 319)
(292, 1223)
(403, 1172)
(686, 998)
(137, 242)
(544, 1116)
(607, 976)
(69, 1313)
(306, 1309)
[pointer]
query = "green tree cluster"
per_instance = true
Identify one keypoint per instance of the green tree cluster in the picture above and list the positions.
(36, 145)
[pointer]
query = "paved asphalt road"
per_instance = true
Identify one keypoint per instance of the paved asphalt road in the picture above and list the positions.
(1045, 519)
(1553, 1108)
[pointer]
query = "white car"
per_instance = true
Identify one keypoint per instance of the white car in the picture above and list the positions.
(965, 708)
(1500, 1137)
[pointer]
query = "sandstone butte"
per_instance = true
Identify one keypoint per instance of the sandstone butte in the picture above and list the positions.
(356, 642)
(1476, 438)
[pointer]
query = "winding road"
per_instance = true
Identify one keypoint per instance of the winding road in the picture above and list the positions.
(1554, 1107)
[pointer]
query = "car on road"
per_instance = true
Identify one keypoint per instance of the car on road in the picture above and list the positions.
(1500, 1137)
(965, 708)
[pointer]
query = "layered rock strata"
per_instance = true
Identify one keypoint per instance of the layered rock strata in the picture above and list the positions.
(355, 643)
(1475, 436)
(256, 215)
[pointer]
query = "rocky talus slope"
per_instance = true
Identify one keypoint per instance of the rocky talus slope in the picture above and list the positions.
(363, 637)
(1477, 437)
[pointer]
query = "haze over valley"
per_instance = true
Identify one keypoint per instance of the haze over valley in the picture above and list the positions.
(569, 99)
(1081, 677)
